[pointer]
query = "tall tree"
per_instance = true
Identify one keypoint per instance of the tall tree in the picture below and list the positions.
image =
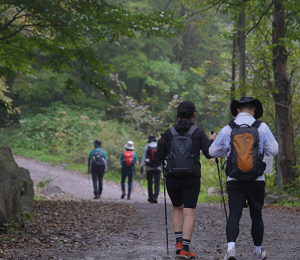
(286, 20)
(282, 96)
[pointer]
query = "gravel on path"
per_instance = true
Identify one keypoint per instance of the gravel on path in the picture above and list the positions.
(144, 236)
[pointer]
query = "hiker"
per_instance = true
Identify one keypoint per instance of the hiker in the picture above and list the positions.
(97, 164)
(153, 168)
(181, 145)
(244, 141)
(128, 160)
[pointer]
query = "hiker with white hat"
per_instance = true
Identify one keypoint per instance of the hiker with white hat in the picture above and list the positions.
(128, 160)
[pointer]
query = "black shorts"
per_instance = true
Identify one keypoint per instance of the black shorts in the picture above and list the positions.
(241, 191)
(183, 191)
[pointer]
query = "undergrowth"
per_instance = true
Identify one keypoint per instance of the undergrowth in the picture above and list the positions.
(63, 134)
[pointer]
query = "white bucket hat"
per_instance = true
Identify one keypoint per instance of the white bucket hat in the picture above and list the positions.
(129, 145)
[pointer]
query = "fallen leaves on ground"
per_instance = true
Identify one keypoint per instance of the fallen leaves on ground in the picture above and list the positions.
(66, 226)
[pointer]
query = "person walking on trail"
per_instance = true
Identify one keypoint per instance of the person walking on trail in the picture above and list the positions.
(244, 141)
(128, 160)
(181, 146)
(153, 168)
(97, 163)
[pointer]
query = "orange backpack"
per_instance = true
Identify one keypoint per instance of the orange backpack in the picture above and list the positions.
(245, 161)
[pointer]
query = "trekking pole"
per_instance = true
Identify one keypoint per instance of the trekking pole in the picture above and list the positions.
(221, 185)
(165, 202)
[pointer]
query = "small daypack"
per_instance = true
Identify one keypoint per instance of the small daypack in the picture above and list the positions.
(98, 160)
(181, 158)
(153, 160)
(128, 159)
(245, 161)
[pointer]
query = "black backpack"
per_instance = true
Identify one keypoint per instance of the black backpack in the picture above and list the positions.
(245, 161)
(181, 158)
(153, 161)
(99, 159)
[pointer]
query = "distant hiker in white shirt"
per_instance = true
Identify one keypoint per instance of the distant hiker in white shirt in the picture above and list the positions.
(244, 141)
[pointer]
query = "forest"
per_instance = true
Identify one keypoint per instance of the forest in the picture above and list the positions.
(119, 76)
(73, 72)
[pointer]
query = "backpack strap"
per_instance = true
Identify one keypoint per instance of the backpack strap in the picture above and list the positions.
(232, 124)
(173, 131)
(256, 124)
(99, 152)
(192, 129)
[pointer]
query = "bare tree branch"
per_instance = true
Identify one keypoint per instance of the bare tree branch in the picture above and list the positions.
(12, 35)
(10, 22)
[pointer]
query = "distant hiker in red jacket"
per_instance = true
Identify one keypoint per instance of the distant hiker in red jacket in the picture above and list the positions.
(128, 160)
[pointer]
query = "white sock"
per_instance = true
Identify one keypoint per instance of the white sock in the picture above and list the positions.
(257, 249)
(230, 245)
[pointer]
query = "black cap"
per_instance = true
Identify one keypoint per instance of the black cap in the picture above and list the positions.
(258, 111)
(97, 143)
(151, 138)
(188, 106)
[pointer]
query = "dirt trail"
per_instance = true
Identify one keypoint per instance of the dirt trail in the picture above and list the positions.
(76, 184)
(144, 236)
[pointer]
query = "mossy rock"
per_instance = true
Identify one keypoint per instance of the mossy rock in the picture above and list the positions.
(16, 191)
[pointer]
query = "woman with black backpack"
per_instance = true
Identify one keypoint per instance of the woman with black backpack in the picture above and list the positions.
(180, 145)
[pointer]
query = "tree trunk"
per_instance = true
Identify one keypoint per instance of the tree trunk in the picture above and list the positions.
(242, 52)
(232, 90)
(282, 95)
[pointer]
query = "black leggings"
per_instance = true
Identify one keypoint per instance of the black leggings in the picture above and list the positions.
(238, 193)
(183, 191)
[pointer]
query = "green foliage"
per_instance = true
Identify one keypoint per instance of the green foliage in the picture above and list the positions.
(212, 199)
(59, 35)
(64, 134)
(44, 183)
(10, 228)
(293, 188)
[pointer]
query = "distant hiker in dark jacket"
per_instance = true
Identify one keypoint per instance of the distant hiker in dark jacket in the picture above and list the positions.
(182, 144)
(128, 160)
(97, 162)
(153, 168)
(246, 110)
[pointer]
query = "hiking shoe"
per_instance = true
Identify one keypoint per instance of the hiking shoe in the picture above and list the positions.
(230, 255)
(186, 255)
(179, 247)
(128, 197)
(123, 195)
(96, 197)
(259, 256)
(152, 200)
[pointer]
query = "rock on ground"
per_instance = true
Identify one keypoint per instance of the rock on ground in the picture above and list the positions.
(16, 191)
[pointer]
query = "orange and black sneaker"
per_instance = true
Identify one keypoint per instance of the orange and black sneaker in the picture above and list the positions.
(186, 255)
(179, 247)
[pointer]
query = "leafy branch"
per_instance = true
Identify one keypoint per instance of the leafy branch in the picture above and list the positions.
(139, 114)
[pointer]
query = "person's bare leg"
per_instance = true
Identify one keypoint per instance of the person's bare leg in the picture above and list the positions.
(188, 224)
(177, 218)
